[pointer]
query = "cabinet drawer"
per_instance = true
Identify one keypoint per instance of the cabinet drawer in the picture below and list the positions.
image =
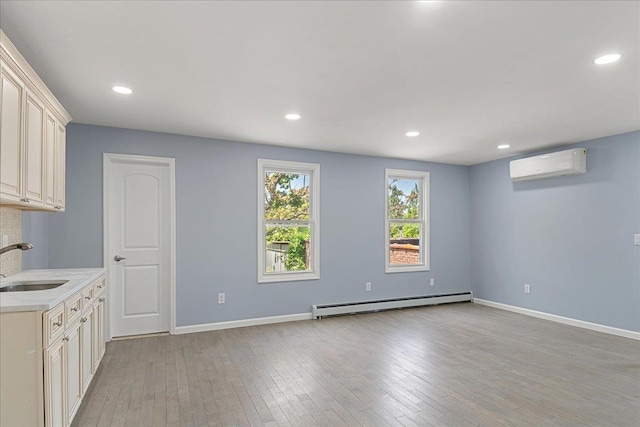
(73, 307)
(98, 287)
(53, 324)
(87, 295)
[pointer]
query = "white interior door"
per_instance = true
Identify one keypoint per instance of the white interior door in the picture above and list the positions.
(139, 243)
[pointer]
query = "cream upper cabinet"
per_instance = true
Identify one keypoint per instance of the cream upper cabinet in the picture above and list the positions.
(33, 136)
(11, 119)
(50, 131)
(55, 152)
(34, 148)
(60, 168)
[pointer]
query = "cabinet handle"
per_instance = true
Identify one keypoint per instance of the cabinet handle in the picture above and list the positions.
(74, 309)
(26, 200)
(57, 323)
(118, 258)
(101, 299)
(83, 320)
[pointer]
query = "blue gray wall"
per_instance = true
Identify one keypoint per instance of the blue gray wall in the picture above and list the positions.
(570, 238)
(35, 230)
(216, 223)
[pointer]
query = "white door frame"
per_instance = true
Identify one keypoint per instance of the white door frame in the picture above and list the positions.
(108, 160)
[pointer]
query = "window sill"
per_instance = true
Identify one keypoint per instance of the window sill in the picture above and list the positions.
(288, 277)
(406, 268)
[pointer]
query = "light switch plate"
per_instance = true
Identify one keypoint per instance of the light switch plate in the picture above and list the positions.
(636, 239)
(5, 240)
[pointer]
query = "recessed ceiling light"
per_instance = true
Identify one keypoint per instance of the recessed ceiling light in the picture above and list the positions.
(503, 146)
(123, 90)
(412, 133)
(292, 116)
(607, 59)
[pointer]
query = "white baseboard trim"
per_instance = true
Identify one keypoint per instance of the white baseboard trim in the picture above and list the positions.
(241, 323)
(560, 319)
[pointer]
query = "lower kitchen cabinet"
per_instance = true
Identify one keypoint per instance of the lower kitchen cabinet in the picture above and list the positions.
(49, 359)
(54, 384)
(99, 342)
(89, 341)
(73, 365)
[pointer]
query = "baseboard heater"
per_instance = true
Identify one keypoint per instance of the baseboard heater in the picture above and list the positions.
(322, 310)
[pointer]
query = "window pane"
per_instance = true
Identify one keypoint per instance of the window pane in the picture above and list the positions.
(287, 248)
(286, 196)
(403, 198)
(404, 243)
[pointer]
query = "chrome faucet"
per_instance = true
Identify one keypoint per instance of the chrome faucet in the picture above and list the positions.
(21, 246)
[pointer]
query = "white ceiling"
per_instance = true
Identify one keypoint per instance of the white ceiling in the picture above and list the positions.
(467, 75)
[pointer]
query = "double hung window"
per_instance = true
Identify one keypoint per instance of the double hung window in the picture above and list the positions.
(288, 226)
(406, 220)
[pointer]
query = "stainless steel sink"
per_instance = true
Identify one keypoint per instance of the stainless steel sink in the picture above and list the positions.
(32, 285)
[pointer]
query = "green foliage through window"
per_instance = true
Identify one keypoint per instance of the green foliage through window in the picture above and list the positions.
(403, 206)
(410, 231)
(287, 199)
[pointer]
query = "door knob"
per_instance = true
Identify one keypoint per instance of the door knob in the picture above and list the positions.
(118, 258)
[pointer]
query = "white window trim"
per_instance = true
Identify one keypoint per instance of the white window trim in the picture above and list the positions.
(425, 251)
(313, 170)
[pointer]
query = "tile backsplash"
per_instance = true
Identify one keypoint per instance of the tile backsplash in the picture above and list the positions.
(11, 225)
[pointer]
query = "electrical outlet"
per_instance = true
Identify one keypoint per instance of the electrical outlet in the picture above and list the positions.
(527, 288)
(636, 240)
(432, 282)
(367, 286)
(5, 240)
(221, 298)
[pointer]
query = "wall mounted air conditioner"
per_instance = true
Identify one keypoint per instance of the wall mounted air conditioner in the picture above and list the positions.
(567, 162)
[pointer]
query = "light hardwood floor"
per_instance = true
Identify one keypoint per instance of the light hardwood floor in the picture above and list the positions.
(450, 365)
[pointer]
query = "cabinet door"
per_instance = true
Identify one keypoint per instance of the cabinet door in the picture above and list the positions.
(55, 391)
(34, 151)
(50, 131)
(59, 181)
(87, 327)
(11, 111)
(73, 366)
(99, 343)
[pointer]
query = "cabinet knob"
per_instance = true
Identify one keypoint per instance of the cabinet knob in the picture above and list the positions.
(118, 258)
(26, 200)
(83, 320)
(101, 299)
(65, 339)
(87, 298)
(57, 207)
(57, 323)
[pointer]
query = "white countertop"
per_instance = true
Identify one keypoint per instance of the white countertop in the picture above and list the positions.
(47, 299)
